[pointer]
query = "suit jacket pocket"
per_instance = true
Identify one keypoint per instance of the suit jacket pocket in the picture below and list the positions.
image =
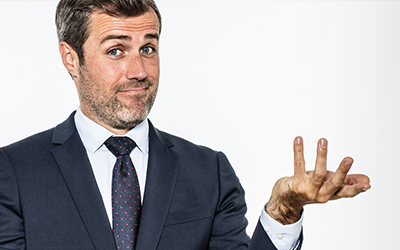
(188, 215)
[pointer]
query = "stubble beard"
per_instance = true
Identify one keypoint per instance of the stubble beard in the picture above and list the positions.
(105, 106)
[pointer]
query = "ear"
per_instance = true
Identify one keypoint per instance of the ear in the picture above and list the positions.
(70, 59)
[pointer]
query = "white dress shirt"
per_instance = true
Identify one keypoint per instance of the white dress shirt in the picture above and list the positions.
(102, 160)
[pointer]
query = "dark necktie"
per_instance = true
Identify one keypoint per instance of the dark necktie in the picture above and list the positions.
(125, 193)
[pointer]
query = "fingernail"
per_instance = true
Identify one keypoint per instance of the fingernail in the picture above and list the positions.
(299, 140)
(324, 143)
(366, 189)
(347, 163)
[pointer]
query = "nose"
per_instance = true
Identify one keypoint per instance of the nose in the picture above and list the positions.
(135, 68)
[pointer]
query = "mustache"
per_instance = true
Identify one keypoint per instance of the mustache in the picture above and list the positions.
(134, 84)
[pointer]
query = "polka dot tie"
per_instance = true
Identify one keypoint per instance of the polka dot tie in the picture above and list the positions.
(125, 193)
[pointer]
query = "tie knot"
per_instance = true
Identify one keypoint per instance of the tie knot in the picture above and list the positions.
(120, 145)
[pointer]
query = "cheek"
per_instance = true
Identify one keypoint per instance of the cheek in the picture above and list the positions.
(153, 68)
(106, 74)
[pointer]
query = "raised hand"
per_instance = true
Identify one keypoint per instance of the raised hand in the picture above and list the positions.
(290, 194)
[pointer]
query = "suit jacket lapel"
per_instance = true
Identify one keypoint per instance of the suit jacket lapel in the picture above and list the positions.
(75, 167)
(161, 177)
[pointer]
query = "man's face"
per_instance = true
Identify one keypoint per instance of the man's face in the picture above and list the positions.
(118, 82)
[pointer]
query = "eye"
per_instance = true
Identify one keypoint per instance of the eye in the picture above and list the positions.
(115, 52)
(147, 50)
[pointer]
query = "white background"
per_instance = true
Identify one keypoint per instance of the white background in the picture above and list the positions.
(246, 77)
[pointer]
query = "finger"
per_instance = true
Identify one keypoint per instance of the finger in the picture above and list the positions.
(299, 163)
(353, 185)
(336, 181)
(354, 179)
(351, 191)
(320, 164)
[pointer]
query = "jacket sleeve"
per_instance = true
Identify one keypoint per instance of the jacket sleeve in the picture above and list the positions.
(260, 239)
(12, 235)
(229, 228)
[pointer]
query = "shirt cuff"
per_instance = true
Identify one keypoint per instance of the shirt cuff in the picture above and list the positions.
(284, 237)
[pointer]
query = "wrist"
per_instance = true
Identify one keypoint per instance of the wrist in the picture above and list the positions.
(283, 213)
(284, 204)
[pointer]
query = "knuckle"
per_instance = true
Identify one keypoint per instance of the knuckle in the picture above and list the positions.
(298, 190)
(322, 153)
(320, 174)
(311, 195)
(336, 185)
(322, 199)
(352, 194)
(299, 163)
(318, 180)
(298, 149)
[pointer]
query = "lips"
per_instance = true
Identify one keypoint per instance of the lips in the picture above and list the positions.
(133, 89)
(133, 86)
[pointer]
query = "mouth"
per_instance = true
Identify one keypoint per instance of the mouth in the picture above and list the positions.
(137, 88)
(134, 90)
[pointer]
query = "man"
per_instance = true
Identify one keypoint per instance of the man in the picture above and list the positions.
(55, 186)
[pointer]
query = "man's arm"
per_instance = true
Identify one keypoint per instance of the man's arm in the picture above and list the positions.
(229, 224)
(11, 224)
(290, 194)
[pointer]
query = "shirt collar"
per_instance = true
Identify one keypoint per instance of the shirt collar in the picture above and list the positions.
(94, 135)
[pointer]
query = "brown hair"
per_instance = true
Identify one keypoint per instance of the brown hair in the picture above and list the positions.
(73, 17)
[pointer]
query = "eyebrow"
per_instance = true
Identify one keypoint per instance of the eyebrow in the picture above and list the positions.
(128, 38)
(113, 37)
(153, 36)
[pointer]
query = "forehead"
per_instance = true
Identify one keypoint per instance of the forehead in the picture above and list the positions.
(103, 24)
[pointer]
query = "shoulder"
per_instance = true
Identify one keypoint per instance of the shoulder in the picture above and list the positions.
(180, 144)
(34, 146)
(32, 141)
(45, 140)
(189, 152)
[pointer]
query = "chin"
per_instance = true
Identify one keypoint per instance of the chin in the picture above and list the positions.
(131, 119)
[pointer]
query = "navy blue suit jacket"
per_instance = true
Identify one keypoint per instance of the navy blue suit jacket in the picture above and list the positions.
(49, 198)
